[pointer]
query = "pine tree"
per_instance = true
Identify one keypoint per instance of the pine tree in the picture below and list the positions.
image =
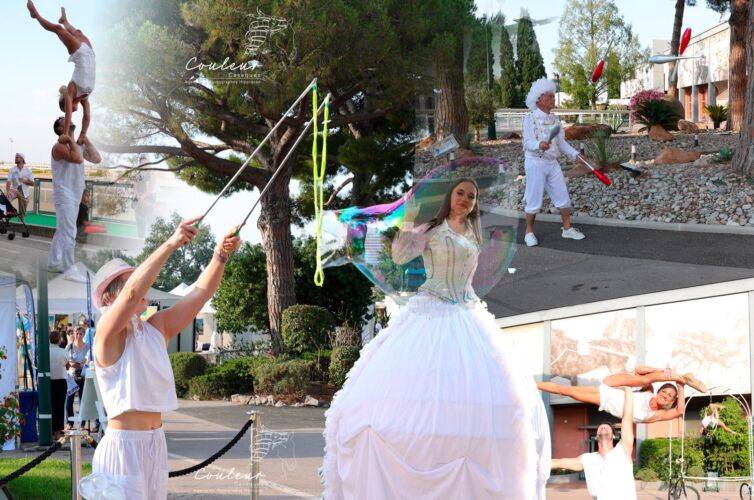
(479, 77)
(530, 64)
(510, 97)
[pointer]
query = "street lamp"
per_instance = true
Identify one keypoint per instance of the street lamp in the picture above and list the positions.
(11, 150)
(557, 87)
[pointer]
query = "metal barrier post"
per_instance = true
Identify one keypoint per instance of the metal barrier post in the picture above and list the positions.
(255, 456)
(75, 442)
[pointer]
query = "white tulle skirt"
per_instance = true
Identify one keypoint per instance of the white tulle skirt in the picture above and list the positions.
(439, 406)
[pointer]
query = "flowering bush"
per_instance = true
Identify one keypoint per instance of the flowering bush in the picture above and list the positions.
(11, 418)
(641, 98)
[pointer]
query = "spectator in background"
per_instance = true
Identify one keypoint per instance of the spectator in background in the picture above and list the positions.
(76, 354)
(58, 385)
(19, 180)
(83, 218)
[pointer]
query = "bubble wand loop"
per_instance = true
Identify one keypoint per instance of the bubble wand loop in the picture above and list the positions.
(319, 183)
(282, 163)
(313, 83)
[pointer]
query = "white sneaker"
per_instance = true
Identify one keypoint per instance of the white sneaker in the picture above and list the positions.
(73, 274)
(531, 240)
(573, 233)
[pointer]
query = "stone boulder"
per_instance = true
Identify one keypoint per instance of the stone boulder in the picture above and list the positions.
(688, 127)
(580, 131)
(670, 156)
(659, 134)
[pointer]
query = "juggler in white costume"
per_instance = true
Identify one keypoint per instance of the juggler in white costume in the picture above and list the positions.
(439, 404)
(67, 188)
(543, 173)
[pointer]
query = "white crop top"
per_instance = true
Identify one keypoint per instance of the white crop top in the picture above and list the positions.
(142, 379)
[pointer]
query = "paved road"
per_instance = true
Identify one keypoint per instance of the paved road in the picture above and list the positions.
(615, 262)
(289, 470)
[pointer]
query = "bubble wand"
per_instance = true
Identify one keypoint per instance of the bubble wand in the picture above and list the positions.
(313, 83)
(325, 103)
(319, 182)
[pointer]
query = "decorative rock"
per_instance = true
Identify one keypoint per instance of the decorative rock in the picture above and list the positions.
(580, 131)
(659, 134)
(310, 401)
(279, 404)
(688, 127)
(669, 156)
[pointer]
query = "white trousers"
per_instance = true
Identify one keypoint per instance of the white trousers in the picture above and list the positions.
(137, 461)
(544, 176)
(64, 242)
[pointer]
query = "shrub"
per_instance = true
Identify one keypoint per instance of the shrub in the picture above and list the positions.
(728, 453)
(695, 471)
(306, 328)
(346, 335)
(228, 378)
(658, 112)
(717, 114)
(638, 100)
(654, 455)
(341, 361)
(320, 365)
(600, 148)
(205, 387)
(647, 474)
(283, 377)
(186, 365)
(725, 154)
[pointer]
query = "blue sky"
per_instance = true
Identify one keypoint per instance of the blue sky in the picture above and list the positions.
(36, 65)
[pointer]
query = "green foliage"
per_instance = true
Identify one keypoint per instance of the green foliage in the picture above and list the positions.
(50, 479)
(480, 59)
(186, 365)
(600, 147)
(725, 153)
(590, 30)
(728, 453)
(186, 263)
(479, 102)
(289, 377)
(230, 377)
(341, 361)
(320, 364)
(717, 113)
(306, 327)
(646, 474)
(654, 455)
(241, 299)
(510, 96)
(659, 112)
(529, 64)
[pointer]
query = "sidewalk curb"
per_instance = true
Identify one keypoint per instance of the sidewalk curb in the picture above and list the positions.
(635, 224)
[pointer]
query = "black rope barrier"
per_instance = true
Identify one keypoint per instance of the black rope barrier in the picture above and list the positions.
(38, 460)
(217, 455)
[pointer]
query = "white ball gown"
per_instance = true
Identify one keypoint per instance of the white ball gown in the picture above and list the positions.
(439, 405)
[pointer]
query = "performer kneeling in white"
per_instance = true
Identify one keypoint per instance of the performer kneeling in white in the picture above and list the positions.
(67, 188)
(541, 160)
(133, 369)
(609, 470)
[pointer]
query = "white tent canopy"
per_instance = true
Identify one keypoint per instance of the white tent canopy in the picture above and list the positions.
(183, 289)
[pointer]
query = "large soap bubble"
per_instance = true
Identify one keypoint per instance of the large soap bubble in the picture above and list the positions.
(98, 486)
(364, 236)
